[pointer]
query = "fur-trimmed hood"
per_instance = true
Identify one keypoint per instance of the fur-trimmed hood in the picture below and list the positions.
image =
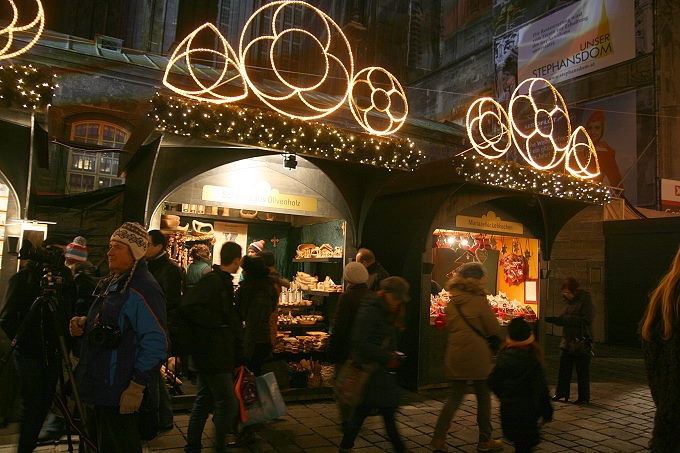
(465, 285)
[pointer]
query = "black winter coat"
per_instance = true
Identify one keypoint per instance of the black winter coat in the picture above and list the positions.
(374, 338)
(209, 309)
(348, 306)
(518, 379)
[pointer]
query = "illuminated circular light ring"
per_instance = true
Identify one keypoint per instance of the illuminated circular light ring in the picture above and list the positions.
(580, 147)
(11, 29)
(479, 115)
(523, 140)
(578, 154)
(295, 91)
(205, 93)
(362, 115)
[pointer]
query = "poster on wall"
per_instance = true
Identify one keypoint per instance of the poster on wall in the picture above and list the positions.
(670, 195)
(229, 232)
(611, 124)
(576, 40)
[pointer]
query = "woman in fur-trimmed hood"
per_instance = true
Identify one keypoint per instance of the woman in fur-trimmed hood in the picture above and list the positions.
(467, 356)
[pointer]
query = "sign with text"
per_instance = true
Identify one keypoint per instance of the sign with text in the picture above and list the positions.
(269, 198)
(576, 40)
(489, 222)
(670, 195)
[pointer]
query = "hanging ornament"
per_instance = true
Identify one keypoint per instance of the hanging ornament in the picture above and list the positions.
(493, 243)
(527, 252)
(482, 255)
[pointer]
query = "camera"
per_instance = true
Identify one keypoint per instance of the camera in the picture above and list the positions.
(50, 256)
(104, 336)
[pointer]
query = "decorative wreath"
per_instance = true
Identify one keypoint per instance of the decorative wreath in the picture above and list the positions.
(515, 268)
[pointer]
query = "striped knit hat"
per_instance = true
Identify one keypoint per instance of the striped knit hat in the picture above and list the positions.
(134, 236)
(77, 250)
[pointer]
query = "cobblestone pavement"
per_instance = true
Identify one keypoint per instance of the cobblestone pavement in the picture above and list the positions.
(619, 419)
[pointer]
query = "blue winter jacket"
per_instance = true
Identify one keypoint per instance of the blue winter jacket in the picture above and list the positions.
(139, 314)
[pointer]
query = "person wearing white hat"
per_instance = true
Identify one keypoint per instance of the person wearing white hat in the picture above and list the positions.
(124, 345)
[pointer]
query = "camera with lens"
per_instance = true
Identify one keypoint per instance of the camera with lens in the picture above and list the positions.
(104, 336)
(51, 256)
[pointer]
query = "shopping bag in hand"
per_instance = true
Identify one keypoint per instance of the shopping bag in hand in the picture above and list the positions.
(350, 383)
(245, 389)
(269, 404)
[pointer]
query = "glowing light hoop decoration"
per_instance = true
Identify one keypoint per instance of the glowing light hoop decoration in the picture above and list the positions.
(296, 92)
(489, 125)
(495, 114)
(12, 28)
(362, 114)
(205, 93)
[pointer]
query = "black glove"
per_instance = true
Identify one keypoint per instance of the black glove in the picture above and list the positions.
(552, 319)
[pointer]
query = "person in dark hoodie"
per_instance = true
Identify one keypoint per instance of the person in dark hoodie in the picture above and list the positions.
(519, 382)
(125, 344)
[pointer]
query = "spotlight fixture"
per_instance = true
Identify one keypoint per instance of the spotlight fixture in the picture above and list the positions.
(290, 161)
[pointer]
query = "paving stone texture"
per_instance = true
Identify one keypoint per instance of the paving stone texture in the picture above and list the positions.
(619, 419)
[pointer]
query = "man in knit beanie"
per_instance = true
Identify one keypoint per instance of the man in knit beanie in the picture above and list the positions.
(124, 345)
(76, 251)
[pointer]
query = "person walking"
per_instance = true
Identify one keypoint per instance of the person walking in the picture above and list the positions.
(468, 357)
(209, 308)
(256, 300)
(355, 277)
(374, 341)
(519, 382)
(124, 345)
(660, 333)
(576, 344)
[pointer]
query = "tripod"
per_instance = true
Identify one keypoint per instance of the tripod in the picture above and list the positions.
(48, 302)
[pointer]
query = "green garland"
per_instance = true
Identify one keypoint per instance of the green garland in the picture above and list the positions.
(26, 87)
(267, 129)
(513, 176)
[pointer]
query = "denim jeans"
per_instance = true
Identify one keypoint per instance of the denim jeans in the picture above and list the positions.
(457, 390)
(214, 392)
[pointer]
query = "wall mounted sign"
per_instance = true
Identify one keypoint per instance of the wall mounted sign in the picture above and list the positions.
(270, 198)
(489, 222)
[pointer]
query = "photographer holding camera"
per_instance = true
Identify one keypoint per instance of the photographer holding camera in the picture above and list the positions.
(124, 346)
(34, 317)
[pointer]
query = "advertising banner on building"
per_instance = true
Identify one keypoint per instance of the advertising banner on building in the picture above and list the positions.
(581, 38)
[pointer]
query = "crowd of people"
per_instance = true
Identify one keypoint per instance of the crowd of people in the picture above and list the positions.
(119, 331)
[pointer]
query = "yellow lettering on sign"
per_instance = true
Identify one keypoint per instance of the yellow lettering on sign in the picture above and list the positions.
(272, 199)
(489, 222)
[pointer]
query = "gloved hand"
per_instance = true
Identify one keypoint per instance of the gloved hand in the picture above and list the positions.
(131, 398)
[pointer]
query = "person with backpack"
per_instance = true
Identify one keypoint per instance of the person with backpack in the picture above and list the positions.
(208, 310)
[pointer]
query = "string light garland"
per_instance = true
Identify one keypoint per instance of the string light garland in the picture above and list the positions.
(510, 175)
(7, 33)
(26, 87)
(266, 129)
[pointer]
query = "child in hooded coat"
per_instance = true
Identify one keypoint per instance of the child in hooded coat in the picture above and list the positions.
(519, 382)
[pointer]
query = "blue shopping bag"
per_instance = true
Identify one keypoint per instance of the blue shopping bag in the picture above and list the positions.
(269, 404)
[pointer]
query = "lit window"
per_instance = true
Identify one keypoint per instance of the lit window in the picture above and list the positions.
(89, 170)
